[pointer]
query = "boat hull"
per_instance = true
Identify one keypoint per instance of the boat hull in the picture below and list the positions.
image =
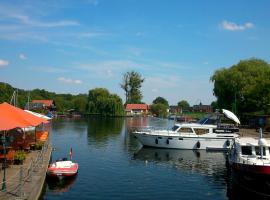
(184, 142)
(63, 172)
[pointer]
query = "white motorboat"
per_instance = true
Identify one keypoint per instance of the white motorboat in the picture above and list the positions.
(192, 135)
(249, 160)
(251, 155)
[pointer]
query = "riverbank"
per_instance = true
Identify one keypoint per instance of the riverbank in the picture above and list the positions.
(26, 181)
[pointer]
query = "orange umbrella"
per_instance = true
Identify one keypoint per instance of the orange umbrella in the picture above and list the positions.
(12, 117)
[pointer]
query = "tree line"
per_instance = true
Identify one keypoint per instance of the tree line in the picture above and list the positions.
(242, 88)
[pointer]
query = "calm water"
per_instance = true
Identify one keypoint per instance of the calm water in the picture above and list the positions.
(113, 165)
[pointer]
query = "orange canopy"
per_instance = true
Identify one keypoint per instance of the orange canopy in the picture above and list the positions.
(12, 117)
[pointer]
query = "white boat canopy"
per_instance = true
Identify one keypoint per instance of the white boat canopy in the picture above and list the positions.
(38, 115)
(230, 115)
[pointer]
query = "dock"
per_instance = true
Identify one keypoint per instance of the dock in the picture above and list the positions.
(26, 181)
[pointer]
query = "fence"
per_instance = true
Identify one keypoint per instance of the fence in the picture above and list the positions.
(19, 179)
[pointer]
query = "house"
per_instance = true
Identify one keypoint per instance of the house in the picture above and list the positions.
(43, 104)
(202, 108)
(175, 109)
(137, 109)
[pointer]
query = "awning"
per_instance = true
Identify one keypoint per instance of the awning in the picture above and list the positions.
(12, 117)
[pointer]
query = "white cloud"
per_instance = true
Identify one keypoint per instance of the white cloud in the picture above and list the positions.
(90, 34)
(24, 19)
(231, 26)
(69, 80)
(22, 56)
(3, 63)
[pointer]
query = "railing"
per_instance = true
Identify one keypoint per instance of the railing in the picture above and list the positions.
(15, 186)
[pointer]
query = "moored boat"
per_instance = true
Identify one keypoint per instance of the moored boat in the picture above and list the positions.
(249, 160)
(251, 155)
(62, 168)
(203, 135)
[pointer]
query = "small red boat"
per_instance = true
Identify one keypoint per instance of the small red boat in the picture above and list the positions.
(63, 168)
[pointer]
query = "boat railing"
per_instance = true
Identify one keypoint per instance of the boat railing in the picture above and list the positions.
(149, 129)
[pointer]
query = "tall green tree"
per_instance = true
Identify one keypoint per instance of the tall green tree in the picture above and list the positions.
(159, 110)
(100, 101)
(183, 104)
(161, 100)
(131, 84)
(244, 87)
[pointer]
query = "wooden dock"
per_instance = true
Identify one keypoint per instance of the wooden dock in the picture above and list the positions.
(26, 181)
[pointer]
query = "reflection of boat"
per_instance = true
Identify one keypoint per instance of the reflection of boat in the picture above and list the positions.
(249, 159)
(60, 185)
(188, 160)
(62, 168)
(192, 135)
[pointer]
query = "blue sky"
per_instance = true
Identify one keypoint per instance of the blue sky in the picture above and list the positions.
(69, 46)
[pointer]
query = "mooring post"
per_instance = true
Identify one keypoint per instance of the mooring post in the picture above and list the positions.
(20, 188)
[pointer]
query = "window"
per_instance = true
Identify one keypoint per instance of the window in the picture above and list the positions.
(258, 151)
(174, 128)
(185, 130)
(246, 150)
(200, 131)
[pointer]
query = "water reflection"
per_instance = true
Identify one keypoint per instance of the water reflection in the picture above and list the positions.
(59, 186)
(244, 186)
(101, 129)
(207, 163)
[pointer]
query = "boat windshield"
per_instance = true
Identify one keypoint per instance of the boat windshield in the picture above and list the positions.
(174, 128)
(208, 120)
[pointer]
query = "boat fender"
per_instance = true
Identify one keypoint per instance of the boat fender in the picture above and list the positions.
(168, 142)
(198, 145)
(228, 143)
(156, 141)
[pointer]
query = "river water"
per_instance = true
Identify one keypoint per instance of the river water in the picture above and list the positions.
(114, 165)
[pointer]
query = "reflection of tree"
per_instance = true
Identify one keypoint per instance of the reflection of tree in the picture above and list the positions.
(100, 129)
(72, 125)
(210, 164)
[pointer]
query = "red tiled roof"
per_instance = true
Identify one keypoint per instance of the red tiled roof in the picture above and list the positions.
(45, 102)
(136, 107)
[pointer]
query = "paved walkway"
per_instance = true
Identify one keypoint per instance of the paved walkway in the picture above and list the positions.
(26, 181)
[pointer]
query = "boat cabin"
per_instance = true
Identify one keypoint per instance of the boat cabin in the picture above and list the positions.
(251, 147)
(195, 129)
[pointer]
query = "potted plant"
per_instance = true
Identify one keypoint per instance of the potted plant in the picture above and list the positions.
(19, 157)
(39, 145)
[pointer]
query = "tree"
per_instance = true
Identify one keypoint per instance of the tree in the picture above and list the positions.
(161, 100)
(184, 105)
(100, 101)
(244, 87)
(159, 110)
(131, 84)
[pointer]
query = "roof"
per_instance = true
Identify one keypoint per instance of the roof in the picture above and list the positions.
(136, 107)
(45, 102)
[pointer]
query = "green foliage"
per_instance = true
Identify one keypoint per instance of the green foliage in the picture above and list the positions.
(161, 100)
(100, 101)
(159, 110)
(19, 155)
(63, 101)
(183, 104)
(131, 84)
(244, 87)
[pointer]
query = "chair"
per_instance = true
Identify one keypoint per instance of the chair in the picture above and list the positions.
(10, 156)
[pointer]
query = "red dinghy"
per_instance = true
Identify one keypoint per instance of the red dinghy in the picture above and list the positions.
(63, 169)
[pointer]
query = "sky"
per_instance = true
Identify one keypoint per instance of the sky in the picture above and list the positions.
(72, 46)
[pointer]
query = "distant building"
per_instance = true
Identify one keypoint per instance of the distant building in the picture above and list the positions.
(202, 108)
(42, 104)
(175, 109)
(137, 109)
